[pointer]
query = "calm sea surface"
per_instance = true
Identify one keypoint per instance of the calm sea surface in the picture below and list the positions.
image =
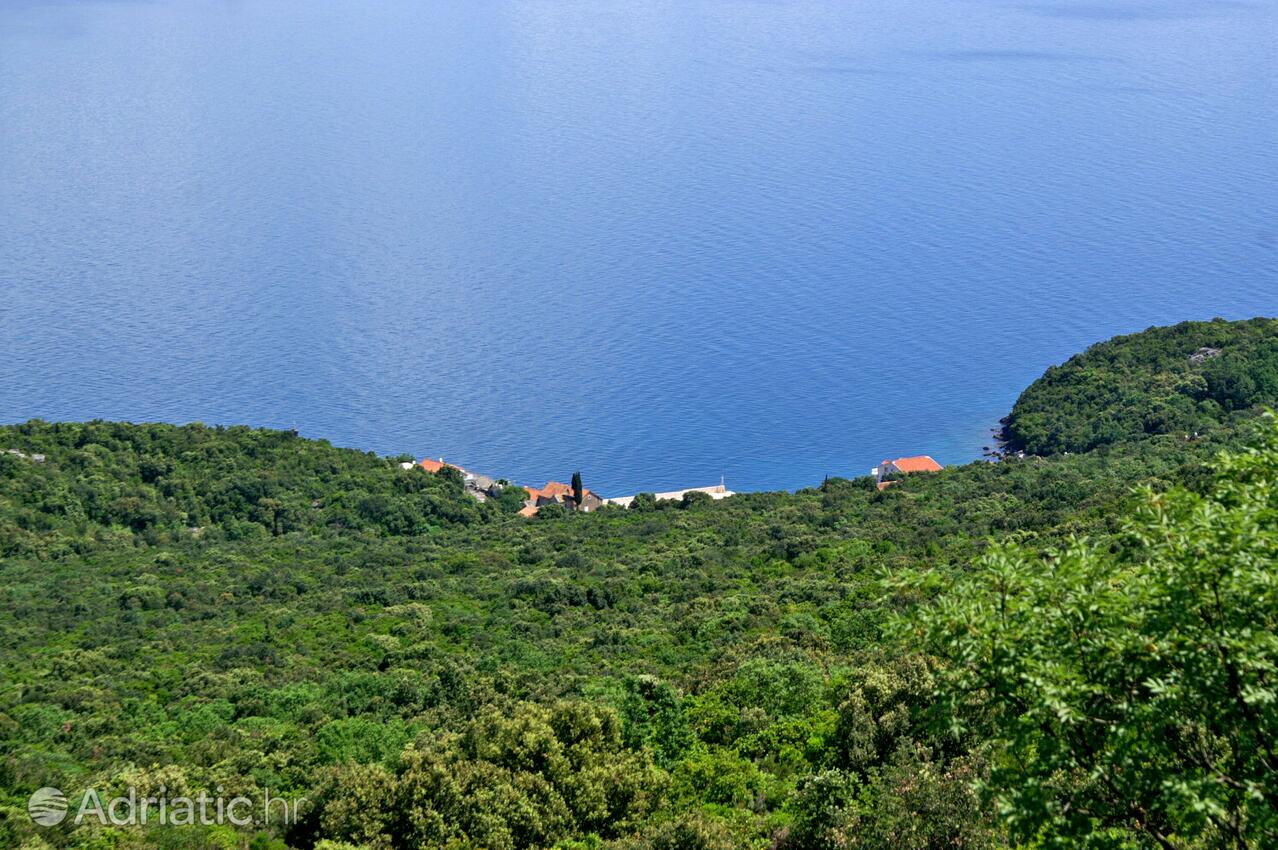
(659, 242)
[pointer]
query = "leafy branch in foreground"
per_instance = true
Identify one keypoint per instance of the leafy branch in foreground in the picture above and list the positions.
(1133, 688)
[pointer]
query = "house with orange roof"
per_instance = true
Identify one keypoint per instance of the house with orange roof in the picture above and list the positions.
(884, 472)
(433, 466)
(556, 492)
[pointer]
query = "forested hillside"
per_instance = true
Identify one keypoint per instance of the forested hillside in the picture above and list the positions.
(1067, 651)
(70, 488)
(1186, 379)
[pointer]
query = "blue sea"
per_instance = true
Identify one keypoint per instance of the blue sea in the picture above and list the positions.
(659, 241)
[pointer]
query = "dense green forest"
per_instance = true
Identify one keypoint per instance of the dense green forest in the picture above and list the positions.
(1185, 379)
(105, 485)
(1071, 649)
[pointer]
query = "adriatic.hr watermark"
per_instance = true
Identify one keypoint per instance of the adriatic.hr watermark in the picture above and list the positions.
(50, 807)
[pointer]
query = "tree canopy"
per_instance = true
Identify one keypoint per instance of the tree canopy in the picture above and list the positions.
(1050, 651)
(1130, 686)
(1185, 379)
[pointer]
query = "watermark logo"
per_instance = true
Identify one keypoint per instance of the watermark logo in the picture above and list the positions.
(47, 807)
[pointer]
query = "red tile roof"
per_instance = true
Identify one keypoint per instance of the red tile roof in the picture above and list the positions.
(554, 488)
(433, 466)
(528, 511)
(919, 463)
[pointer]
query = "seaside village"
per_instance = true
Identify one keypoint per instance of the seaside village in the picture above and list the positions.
(576, 497)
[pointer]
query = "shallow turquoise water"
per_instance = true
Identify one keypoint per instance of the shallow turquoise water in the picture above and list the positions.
(656, 241)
